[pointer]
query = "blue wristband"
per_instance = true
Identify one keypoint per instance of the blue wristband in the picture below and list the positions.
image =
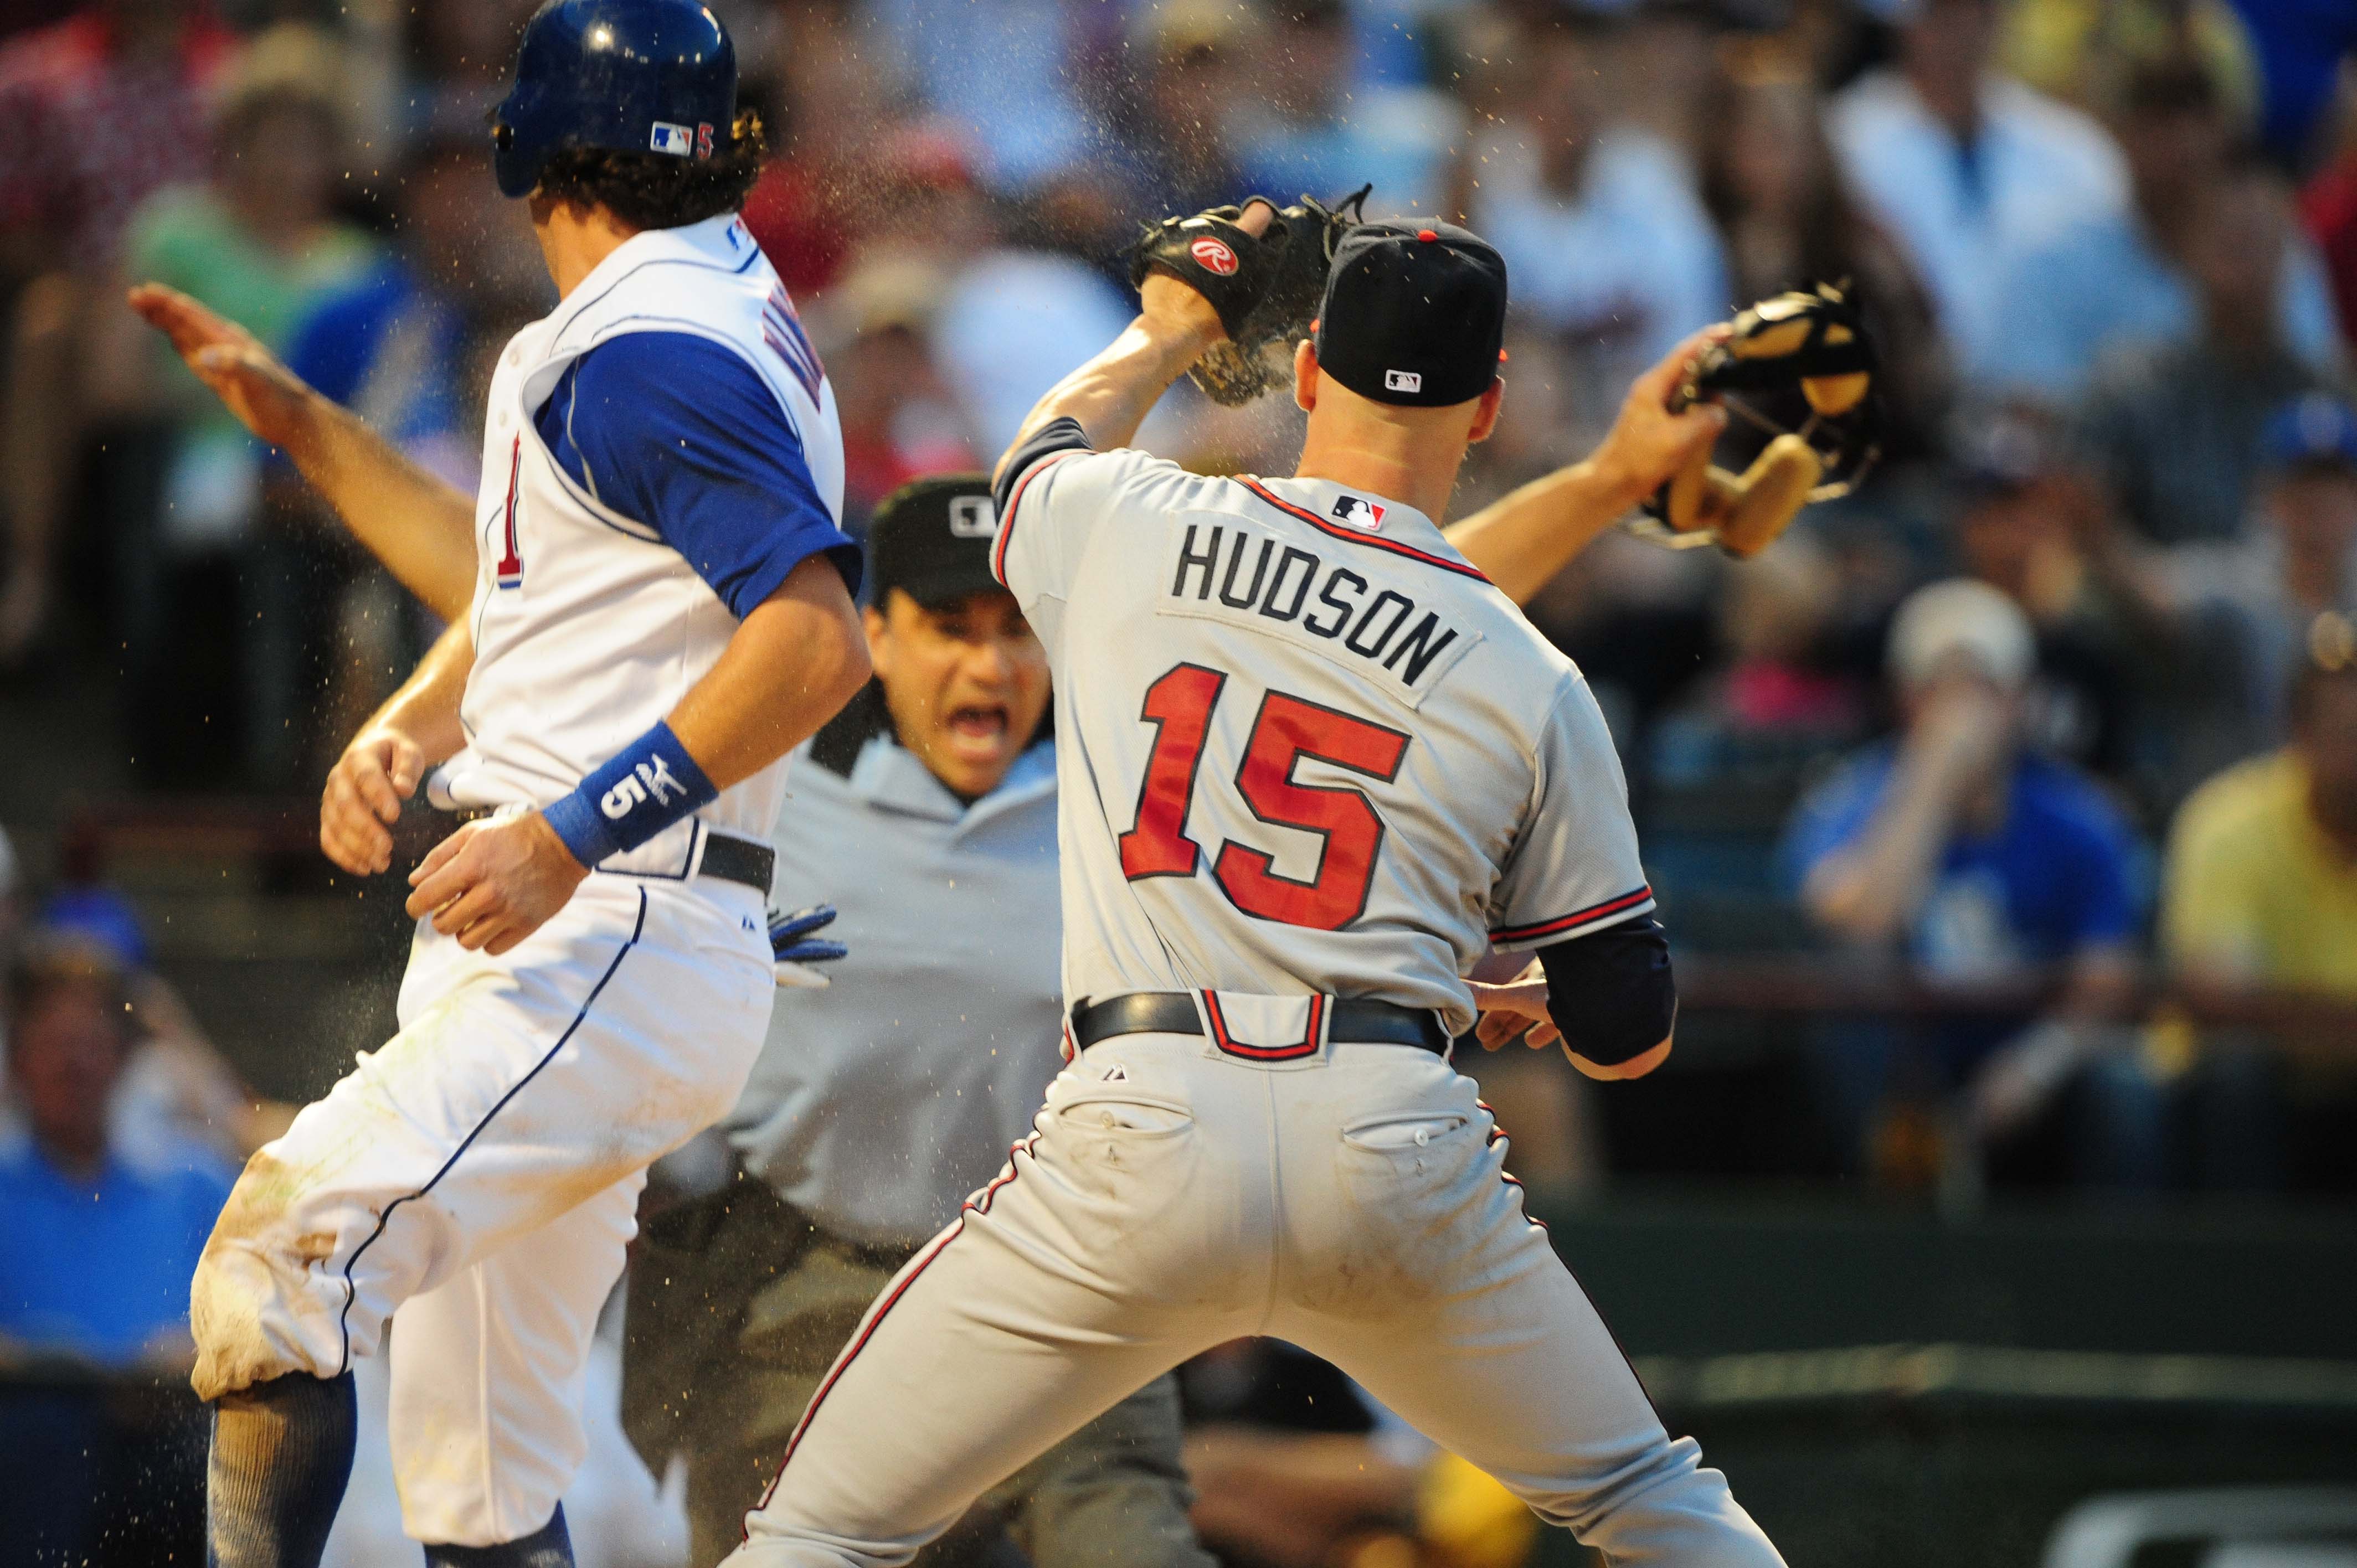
(649, 784)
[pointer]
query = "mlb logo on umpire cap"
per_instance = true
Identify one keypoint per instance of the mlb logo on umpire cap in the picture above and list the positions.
(973, 517)
(679, 141)
(1402, 381)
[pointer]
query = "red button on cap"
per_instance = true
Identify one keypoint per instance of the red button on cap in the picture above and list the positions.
(1427, 234)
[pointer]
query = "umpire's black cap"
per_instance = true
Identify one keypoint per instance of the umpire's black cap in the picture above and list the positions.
(930, 539)
(1414, 313)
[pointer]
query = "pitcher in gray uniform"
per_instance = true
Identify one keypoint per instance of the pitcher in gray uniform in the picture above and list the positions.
(926, 813)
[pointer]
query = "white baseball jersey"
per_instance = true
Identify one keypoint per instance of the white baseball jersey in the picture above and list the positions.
(1303, 742)
(662, 452)
(589, 626)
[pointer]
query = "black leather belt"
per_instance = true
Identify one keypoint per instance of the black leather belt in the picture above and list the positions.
(1174, 1012)
(739, 859)
(727, 857)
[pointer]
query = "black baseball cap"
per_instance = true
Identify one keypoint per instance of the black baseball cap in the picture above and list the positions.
(1414, 313)
(932, 538)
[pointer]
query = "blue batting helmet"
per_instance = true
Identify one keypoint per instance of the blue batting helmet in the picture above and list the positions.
(633, 76)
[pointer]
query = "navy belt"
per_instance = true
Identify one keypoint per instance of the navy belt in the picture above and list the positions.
(1175, 1013)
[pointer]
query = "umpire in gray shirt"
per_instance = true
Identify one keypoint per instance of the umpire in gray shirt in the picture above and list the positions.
(927, 812)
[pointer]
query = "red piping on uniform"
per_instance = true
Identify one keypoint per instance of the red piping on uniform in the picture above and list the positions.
(1309, 1047)
(1577, 918)
(977, 1205)
(1352, 537)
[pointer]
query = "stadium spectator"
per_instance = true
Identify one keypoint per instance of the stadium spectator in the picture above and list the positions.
(831, 99)
(2083, 54)
(1787, 219)
(2297, 560)
(96, 1249)
(2328, 210)
(177, 1102)
(1011, 325)
(1975, 860)
(1004, 70)
(97, 112)
(2115, 279)
(392, 343)
(457, 52)
(1602, 231)
(1178, 150)
(2032, 525)
(899, 421)
(2176, 429)
(406, 343)
(259, 245)
(96, 1253)
(1313, 132)
(1964, 164)
(2301, 49)
(2261, 885)
(1777, 703)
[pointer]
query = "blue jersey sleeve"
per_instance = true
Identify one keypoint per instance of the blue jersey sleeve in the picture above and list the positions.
(673, 431)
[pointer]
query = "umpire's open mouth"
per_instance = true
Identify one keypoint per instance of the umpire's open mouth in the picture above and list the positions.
(978, 730)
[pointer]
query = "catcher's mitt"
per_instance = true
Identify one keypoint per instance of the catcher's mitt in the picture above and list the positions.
(1265, 288)
(1808, 349)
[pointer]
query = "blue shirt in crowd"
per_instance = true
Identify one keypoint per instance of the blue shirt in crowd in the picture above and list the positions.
(2058, 877)
(100, 1269)
(677, 432)
(391, 350)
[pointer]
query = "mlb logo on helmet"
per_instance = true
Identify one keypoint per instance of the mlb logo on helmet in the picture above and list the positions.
(1358, 512)
(679, 141)
(1402, 381)
(1213, 255)
(973, 517)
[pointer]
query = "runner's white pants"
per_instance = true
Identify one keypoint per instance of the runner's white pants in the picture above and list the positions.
(475, 1181)
(1174, 1197)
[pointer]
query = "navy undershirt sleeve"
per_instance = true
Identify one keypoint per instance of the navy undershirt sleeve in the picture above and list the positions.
(1063, 435)
(1611, 992)
(674, 431)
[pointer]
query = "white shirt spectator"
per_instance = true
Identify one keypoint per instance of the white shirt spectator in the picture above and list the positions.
(2035, 167)
(1002, 70)
(2104, 284)
(1632, 259)
(1014, 324)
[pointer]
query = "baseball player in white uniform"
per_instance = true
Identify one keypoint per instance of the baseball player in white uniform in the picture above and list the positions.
(1313, 766)
(659, 609)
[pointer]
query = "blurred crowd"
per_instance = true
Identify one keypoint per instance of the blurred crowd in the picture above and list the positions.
(2056, 714)
(2063, 696)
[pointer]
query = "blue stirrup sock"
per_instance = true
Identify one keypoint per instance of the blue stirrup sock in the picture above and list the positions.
(547, 1547)
(282, 1453)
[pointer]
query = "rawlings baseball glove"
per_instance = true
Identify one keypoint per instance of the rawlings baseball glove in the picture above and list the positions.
(1265, 288)
(1809, 352)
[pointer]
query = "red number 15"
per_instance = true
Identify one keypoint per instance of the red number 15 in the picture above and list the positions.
(1288, 728)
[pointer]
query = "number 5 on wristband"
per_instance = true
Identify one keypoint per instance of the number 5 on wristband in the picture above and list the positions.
(645, 788)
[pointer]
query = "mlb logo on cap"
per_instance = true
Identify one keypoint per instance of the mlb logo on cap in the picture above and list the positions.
(973, 517)
(679, 141)
(1402, 381)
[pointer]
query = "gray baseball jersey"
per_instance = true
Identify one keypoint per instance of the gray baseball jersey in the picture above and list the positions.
(1305, 745)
